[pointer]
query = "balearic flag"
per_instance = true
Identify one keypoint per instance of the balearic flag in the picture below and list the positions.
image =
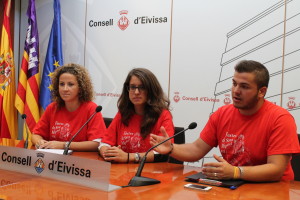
(27, 98)
(8, 112)
(54, 57)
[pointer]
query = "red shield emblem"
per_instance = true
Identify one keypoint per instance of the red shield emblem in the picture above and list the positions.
(291, 104)
(227, 101)
(176, 98)
(123, 22)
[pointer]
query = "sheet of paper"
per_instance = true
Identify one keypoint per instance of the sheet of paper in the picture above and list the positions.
(57, 151)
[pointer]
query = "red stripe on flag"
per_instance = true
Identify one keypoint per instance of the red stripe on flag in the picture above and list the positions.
(4, 131)
(20, 143)
(21, 92)
(22, 88)
(30, 119)
(34, 88)
(24, 65)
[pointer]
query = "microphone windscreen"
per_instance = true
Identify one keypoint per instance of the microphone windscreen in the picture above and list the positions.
(192, 125)
(24, 116)
(99, 108)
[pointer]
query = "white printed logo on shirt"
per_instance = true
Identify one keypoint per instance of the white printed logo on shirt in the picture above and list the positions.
(233, 146)
(132, 142)
(60, 131)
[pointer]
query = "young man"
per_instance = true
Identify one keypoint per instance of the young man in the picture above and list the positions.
(256, 137)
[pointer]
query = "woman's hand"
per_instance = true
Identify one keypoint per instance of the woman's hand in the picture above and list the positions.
(40, 143)
(51, 145)
(114, 154)
(102, 150)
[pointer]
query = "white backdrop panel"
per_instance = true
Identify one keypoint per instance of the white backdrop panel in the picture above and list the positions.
(198, 41)
(112, 52)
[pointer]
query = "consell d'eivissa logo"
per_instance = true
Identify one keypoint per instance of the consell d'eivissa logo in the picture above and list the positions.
(123, 22)
(39, 164)
(177, 98)
(25, 161)
(150, 20)
(60, 166)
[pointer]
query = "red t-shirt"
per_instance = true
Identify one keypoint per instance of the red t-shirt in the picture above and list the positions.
(129, 137)
(61, 125)
(249, 140)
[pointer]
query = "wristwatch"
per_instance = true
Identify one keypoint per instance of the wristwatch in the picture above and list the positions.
(66, 145)
(137, 157)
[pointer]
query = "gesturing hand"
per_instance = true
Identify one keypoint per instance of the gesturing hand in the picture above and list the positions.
(155, 139)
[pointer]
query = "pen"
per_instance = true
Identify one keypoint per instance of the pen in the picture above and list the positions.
(216, 183)
(210, 182)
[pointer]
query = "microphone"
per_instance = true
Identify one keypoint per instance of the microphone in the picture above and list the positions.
(26, 131)
(138, 180)
(67, 145)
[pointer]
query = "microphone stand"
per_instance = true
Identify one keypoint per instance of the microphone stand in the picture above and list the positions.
(67, 145)
(26, 131)
(139, 180)
(26, 141)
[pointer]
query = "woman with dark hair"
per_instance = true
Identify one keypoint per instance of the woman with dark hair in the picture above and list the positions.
(143, 109)
(72, 95)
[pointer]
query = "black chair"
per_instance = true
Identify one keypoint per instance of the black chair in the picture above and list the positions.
(107, 121)
(178, 139)
(296, 164)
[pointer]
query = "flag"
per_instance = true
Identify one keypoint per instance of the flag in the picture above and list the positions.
(27, 97)
(8, 113)
(54, 57)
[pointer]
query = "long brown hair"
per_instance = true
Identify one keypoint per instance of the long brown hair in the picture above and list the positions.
(156, 100)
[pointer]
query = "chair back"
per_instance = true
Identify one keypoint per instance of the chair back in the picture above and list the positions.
(178, 139)
(296, 164)
(107, 121)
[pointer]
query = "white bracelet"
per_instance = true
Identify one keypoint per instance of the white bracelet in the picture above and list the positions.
(103, 144)
(241, 171)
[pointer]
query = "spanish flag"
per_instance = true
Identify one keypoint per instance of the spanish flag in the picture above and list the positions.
(8, 112)
(27, 98)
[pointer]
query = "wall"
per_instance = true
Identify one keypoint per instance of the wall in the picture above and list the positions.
(192, 48)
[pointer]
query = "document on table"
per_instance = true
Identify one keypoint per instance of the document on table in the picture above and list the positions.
(57, 151)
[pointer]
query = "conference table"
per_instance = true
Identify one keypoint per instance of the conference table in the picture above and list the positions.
(14, 185)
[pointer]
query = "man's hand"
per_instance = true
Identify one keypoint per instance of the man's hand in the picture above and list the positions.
(218, 170)
(164, 148)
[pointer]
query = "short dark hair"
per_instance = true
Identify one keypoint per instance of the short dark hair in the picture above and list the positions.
(262, 76)
(86, 91)
(156, 103)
